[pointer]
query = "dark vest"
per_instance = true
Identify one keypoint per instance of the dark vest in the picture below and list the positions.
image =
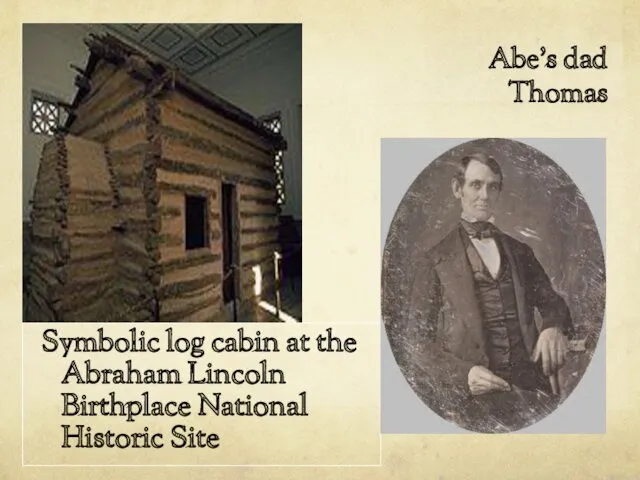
(505, 347)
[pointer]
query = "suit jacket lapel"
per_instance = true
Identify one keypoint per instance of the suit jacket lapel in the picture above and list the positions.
(457, 277)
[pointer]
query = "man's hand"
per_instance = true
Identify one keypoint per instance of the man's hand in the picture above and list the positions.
(552, 348)
(482, 380)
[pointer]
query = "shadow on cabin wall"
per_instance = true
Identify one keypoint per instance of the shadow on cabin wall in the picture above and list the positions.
(290, 239)
(26, 254)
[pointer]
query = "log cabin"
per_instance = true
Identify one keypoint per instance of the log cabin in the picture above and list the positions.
(156, 201)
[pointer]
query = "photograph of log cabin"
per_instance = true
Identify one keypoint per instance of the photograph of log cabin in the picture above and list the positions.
(162, 172)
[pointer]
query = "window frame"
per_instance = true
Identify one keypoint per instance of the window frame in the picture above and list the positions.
(36, 117)
(205, 220)
(278, 160)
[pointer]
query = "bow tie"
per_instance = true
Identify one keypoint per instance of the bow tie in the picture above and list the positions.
(480, 230)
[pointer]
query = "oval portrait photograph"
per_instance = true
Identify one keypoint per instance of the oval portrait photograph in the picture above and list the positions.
(493, 285)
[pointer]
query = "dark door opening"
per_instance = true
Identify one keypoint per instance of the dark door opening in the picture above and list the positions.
(229, 249)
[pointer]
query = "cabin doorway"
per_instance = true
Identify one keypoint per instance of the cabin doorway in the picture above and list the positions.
(230, 258)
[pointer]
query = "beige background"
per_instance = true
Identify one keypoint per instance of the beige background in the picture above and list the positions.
(393, 69)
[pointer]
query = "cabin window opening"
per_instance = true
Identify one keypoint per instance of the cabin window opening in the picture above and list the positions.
(45, 114)
(274, 123)
(196, 224)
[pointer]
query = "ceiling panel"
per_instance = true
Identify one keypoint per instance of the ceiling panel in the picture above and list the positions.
(134, 31)
(195, 29)
(194, 58)
(259, 28)
(167, 40)
(195, 47)
(223, 39)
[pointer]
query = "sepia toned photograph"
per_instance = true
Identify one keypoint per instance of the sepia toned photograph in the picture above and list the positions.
(493, 285)
(162, 173)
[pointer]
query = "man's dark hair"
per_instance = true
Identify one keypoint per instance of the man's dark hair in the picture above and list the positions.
(461, 167)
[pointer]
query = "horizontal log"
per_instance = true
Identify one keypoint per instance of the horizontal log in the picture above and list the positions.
(259, 200)
(202, 144)
(171, 240)
(177, 166)
(188, 296)
(174, 147)
(256, 241)
(181, 120)
(107, 309)
(184, 313)
(115, 100)
(192, 109)
(269, 185)
(133, 204)
(258, 245)
(102, 131)
(129, 124)
(51, 210)
(137, 135)
(259, 208)
(188, 189)
(178, 288)
(189, 261)
(251, 262)
(83, 294)
(168, 252)
(85, 221)
(191, 273)
(253, 214)
(132, 154)
(136, 224)
(269, 229)
(90, 195)
(100, 256)
(258, 222)
(102, 75)
(258, 254)
(79, 207)
(170, 212)
(129, 313)
(87, 275)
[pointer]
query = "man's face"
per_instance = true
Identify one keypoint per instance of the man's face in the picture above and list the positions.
(480, 191)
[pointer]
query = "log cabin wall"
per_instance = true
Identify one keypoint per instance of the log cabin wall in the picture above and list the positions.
(91, 289)
(72, 218)
(48, 221)
(116, 112)
(201, 150)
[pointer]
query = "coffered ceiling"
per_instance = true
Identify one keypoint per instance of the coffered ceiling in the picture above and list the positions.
(194, 48)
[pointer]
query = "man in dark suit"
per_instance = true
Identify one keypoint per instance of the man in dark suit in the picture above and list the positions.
(471, 316)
